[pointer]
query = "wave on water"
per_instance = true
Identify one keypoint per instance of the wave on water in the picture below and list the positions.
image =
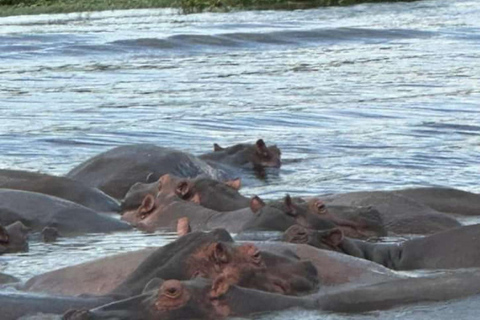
(284, 37)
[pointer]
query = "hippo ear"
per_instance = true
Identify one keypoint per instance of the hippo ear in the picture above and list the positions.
(256, 204)
(220, 286)
(148, 204)
(261, 147)
(289, 206)
(333, 237)
(220, 253)
(183, 226)
(183, 189)
(216, 148)
(235, 183)
(153, 284)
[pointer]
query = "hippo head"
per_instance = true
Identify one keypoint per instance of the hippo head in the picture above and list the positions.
(212, 194)
(198, 298)
(279, 216)
(14, 237)
(329, 239)
(258, 155)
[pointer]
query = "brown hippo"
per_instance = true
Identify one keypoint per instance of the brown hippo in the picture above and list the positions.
(400, 214)
(38, 211)
(284, 260)
(116, 170)
(163, 211)
(198, 298)
(214, 253)
(209, 193)
(60, 187)
(13, 238)
(280, 215)
(455, 248)
(258, 155)
(203, 299)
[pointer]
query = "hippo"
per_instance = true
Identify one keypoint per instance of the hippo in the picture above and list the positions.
(60, 187)
(443, 199)
(13, 238)
(15, 305)
(209, 193)
(222, 298)
(101, 276)
(38, 211)
(454, 248)
(400, 214)
(116, 170)
(313, 214)
(198, 298)
(256, 156)
(214, 253)
(164, 210)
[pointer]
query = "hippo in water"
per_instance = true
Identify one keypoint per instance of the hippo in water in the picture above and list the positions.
(60, 187)
(212, 254)
(13, 238)
(116, 170)
(313, 214)
(38, 211)
(400, 214)
(221, 298)
(209, 193)
(455, 248)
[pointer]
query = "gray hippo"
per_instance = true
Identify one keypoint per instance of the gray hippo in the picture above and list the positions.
(400, 214)
(13, 238)
(454, 248)
(60, 187)
(209, 193)
(221, 298)
(38, 211)
(102, 276)
(116, 170)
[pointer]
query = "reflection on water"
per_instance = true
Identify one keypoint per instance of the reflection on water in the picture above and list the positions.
(376, 96)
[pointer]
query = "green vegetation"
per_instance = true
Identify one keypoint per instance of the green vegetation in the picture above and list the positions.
(21, 7)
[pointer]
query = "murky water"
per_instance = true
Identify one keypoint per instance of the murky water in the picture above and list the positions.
(365, 97)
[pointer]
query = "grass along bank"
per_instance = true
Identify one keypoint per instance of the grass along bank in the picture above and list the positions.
(24, 7)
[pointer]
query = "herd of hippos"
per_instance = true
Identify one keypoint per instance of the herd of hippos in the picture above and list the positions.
(309, 253)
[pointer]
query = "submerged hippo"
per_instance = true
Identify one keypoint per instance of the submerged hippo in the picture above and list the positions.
(455, 248)
(164, 210)
(13, 238)
(280, 215)
(38, 211)
(213, 254)
(60, 187)
(116, 170)
(209, 193)
(222, 298)
(400, 214)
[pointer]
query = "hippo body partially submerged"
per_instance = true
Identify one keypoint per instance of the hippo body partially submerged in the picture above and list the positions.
(60, 187)
(38, 211)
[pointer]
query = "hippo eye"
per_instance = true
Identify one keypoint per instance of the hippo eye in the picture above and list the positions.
(257, 257)
(171, 292)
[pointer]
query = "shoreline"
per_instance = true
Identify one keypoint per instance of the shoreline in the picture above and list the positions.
(33, 7)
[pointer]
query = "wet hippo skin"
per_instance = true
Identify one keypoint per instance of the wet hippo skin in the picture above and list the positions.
(60, 187)
(455, 248)
(38, 211)
(116, 170)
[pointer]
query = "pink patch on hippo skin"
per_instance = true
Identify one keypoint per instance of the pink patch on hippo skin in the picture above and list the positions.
(183, 226)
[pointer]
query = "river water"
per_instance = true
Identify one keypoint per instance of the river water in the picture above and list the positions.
(375, 96)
